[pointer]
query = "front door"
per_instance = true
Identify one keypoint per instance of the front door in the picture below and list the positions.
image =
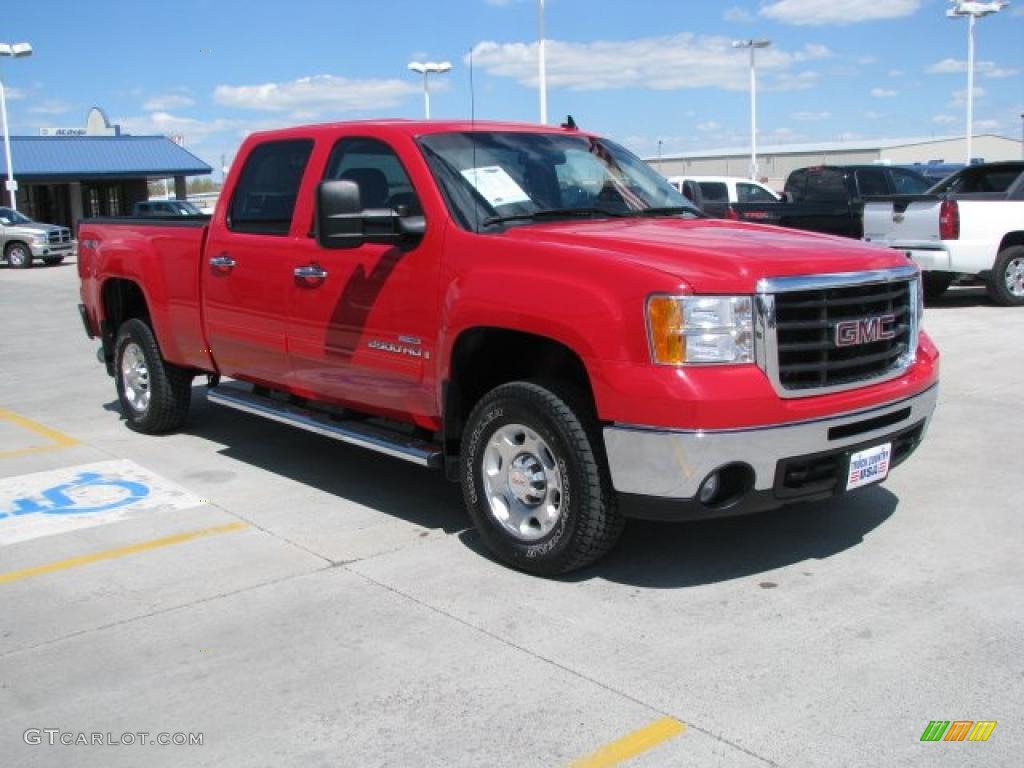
(363, 323)
(247, 275)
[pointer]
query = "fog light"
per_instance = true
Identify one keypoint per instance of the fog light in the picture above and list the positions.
(709, 488)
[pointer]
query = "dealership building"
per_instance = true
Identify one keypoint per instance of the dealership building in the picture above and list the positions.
(66, 174)
(778, 160)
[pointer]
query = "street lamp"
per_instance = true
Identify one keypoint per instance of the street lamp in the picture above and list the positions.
(542, 71)
(426, 68)
(973, 11)
(753, 45)
(14, 51)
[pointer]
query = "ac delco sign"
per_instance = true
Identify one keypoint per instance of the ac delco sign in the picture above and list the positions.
(865, 330)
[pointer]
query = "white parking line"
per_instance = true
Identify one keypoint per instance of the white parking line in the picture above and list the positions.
(59, 500)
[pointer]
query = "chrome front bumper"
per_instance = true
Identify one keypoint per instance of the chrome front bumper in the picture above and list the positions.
(673, 463)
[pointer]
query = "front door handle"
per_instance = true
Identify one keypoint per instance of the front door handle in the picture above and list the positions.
(311, 272)
(222, 262)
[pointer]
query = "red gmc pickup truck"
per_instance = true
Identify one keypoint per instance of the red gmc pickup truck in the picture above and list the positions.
(532, 310)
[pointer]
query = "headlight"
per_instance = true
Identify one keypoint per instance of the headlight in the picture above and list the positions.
(40, 239)
(696, 330)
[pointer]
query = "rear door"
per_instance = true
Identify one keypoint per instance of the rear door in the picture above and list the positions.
(363, 324)
(246, 276)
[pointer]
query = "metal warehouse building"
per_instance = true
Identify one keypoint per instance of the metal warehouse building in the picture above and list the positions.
(777, 161)
(63, 178)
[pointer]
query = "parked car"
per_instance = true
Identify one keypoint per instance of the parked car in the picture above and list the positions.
(532, 310)
(166, 208)
(830, 198)
(714, 194)
(970, 224)
(23, 240)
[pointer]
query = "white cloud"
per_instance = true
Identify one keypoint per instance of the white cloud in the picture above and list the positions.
(883, 93)
(811, 117)
(864, 60)
(987, 69)
(986, 125)
(167, 101)
(13, 94)
(897, 73)
(710, 125)
(656, 63)
(850, 136)
(195, 131)
(872, 115)
(738, 15)
(818, 12)
(50, 107)
(960, 97)
(945, 120)
(314, 96)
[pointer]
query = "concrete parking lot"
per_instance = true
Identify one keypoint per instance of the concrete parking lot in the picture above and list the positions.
(300, 602)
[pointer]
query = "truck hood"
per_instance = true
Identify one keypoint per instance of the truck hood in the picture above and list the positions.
(712, 255)
(31, 229)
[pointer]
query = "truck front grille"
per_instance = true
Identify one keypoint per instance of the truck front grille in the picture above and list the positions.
(58, 236)
(819, 335)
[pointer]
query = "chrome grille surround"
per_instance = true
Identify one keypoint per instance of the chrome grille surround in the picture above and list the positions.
(768, 304)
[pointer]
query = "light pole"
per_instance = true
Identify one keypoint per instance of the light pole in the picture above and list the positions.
(542, 64)
(753, 45)
(14, 51)
(973, 11)
(426, 68)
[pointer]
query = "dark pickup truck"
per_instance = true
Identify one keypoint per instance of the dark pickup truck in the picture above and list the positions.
(830, 198)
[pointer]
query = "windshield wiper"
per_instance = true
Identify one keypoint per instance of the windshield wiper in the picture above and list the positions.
(553, 213)
(667, 211)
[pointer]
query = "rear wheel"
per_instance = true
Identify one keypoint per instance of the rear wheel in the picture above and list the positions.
(535, 481)
(1006, 283)
(19, 256)
(936, 283)
(154, 394)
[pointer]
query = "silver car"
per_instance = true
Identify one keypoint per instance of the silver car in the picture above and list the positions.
(22, 240)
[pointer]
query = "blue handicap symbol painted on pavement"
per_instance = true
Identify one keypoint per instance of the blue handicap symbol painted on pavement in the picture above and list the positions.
(56, 501)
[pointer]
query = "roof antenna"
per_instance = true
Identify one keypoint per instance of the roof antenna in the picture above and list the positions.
(570, 124)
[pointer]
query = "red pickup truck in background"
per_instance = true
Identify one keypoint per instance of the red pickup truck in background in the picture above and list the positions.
(532, 310)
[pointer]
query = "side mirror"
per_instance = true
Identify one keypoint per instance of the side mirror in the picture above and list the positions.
(342, 222)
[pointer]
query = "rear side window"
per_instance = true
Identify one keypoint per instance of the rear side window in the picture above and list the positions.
(264, 199)
(714, 192)
(980, 180)
(796, 185)
(825, 185)
(906, 183)
(872, 181)
(751, 193)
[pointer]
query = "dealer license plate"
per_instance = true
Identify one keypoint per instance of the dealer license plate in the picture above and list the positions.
(869, 466)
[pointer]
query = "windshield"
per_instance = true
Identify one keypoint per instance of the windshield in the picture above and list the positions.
(491, 178)
(979, 179)
(11, 216)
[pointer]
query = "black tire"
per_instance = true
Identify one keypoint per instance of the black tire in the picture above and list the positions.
(1006, 271)
(169, 387)
(936, 284)
(19, 255)
(52, 261)
(588, 522)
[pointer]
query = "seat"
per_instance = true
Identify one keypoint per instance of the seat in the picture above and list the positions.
(373, 186)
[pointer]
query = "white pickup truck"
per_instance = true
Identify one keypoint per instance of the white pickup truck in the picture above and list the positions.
(971, 223)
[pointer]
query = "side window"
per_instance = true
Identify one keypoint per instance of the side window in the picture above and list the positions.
(751, 193)
(374, 166)
(796, 185)
(908, 183)
(714, 192)
(826, 185)
(872, 181)
(264, 199)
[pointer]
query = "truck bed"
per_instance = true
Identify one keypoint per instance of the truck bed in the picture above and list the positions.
(162, 256)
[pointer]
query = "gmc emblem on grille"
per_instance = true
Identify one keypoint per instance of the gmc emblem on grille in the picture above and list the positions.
(865, 331)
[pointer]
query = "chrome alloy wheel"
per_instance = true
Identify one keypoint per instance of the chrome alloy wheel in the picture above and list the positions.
(1014, 276)
(522, 482)
(18, 255)
(135, 377)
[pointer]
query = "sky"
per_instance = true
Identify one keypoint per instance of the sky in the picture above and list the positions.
(648, 73)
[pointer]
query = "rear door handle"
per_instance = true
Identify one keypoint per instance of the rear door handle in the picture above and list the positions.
(311, 272)
(222, 262)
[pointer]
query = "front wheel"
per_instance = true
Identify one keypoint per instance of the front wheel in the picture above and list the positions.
(1006, 283)
(154, 394)
(19, 256)
(535, 481)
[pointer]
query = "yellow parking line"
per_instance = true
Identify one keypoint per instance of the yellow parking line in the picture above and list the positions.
(110, 554)
(631, 744)
(57, 439)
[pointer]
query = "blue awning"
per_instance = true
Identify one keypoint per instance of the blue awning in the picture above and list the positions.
(69, 158)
